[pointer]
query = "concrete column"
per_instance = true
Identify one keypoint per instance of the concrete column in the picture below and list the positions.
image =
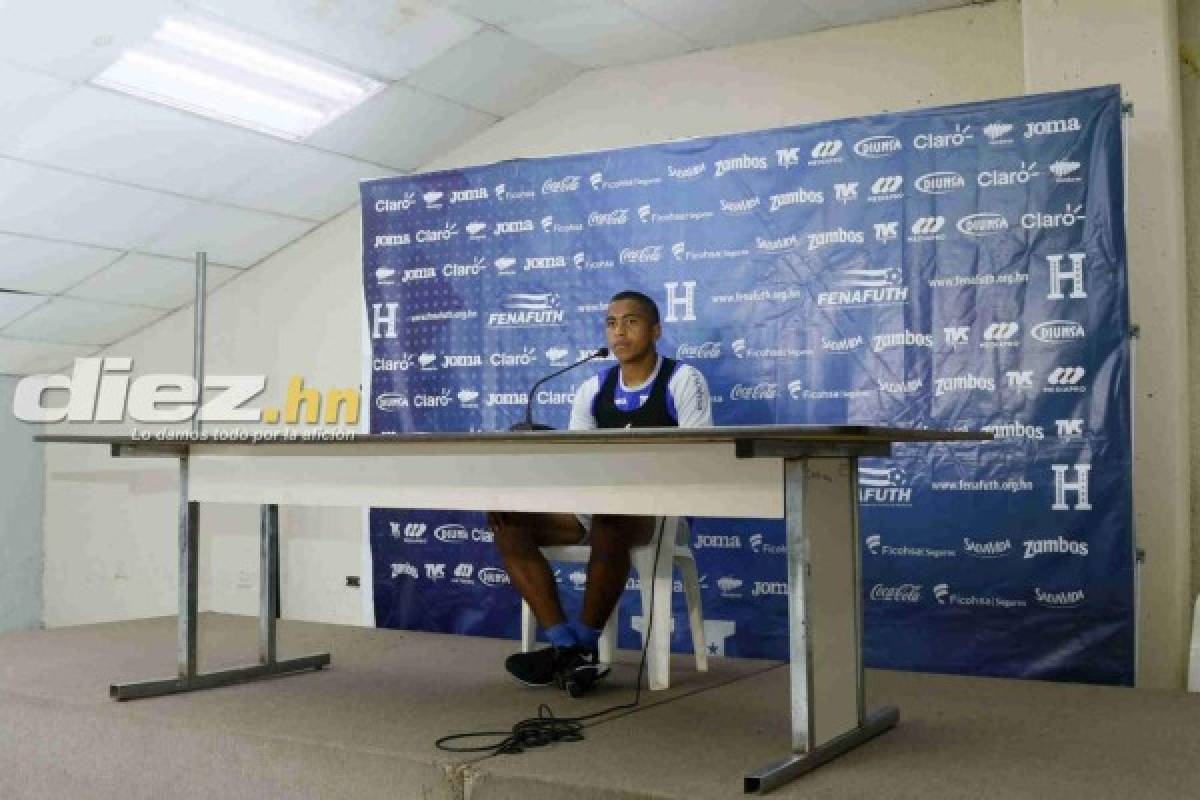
(1189, 58)
(1075, 43)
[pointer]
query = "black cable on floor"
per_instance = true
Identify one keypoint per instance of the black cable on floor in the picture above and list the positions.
(545, 728)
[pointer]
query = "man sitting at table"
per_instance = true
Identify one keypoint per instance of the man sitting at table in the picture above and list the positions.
(643, 390)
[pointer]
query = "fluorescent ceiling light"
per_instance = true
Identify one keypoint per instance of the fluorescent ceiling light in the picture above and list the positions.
(234, 77)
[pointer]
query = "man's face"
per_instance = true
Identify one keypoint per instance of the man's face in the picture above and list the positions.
(629, 331)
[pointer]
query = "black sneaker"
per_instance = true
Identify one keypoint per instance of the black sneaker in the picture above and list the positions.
(564, 667)
(537, 668)
(579, 671)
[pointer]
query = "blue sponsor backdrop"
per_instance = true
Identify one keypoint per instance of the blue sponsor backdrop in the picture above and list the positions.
(957, 268)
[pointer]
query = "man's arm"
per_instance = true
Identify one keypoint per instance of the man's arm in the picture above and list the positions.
(693, 403)
(581, 409)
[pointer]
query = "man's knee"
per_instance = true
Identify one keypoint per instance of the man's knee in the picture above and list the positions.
(620, 532)
(513, 535)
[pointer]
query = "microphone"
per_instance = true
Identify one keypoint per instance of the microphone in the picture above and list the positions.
(527, 424)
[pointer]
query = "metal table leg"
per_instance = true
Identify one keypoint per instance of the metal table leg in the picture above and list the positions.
(188, 678)
(826, 671)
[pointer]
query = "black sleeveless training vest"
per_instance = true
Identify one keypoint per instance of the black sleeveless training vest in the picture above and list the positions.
(654, 413)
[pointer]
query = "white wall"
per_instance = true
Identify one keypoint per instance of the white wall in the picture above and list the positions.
(110, 530)
(21, 494)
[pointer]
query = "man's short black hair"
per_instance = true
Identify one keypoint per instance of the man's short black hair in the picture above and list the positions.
(645, 301)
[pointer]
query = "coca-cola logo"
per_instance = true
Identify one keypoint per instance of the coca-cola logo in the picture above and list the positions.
(903, 593)
(702, 350)
(758, 391)
(570, 183)
(644, 255)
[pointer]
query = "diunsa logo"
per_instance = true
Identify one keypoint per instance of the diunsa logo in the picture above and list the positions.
(940, 182)
(985, 223)
(451, 534)
(1057, 330)
(877, 146)
(493, 577)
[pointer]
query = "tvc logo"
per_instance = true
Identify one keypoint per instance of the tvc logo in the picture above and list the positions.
(887, 232)
(1069, 428)
(845, 192)
(1019, 379)
(957, 335)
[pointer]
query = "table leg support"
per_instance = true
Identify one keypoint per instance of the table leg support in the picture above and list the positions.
(828, 712)
(780, 772)
(189, 679)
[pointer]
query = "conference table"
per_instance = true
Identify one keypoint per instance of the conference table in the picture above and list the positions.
(805, 475)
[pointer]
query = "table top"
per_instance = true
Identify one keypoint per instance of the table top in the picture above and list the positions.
(750, 440)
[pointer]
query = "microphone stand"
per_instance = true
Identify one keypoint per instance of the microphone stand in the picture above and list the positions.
(527, 424)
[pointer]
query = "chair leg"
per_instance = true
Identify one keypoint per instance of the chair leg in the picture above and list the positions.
(608, 638)
(528, 628)
(658, 648)
(691, 587)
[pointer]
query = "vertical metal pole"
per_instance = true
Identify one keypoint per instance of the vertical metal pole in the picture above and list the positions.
(198, 335)
(857, 584)
(1136, 555)
(189, 561)
(803, 735)
(268, 582)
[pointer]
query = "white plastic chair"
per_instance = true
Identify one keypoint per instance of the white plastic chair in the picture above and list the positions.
(658, 655)
(1194, 661)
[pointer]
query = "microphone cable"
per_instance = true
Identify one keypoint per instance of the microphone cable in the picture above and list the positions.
(546, 728)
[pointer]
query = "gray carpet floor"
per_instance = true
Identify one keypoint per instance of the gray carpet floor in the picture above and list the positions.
(365, 727)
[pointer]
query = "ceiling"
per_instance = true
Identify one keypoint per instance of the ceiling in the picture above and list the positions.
(104, 199)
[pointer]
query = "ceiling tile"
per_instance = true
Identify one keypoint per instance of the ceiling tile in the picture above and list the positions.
(847, 12)
(402, 127)
(165, 283)
(24, 357)
(382, 39)
(601, 36)
(25, 96)
(303, 182)
(46, 267)
(109, 135)
(232, 236)
(717, 23)
(13, 305)
(75, 40)
(502, 12)
(494, 72)
(56, 205)
(66, 320)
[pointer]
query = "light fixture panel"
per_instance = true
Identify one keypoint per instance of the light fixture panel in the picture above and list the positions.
(210, 69)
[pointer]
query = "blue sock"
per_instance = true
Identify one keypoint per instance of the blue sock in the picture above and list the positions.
(561, 635)
(585, 636)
